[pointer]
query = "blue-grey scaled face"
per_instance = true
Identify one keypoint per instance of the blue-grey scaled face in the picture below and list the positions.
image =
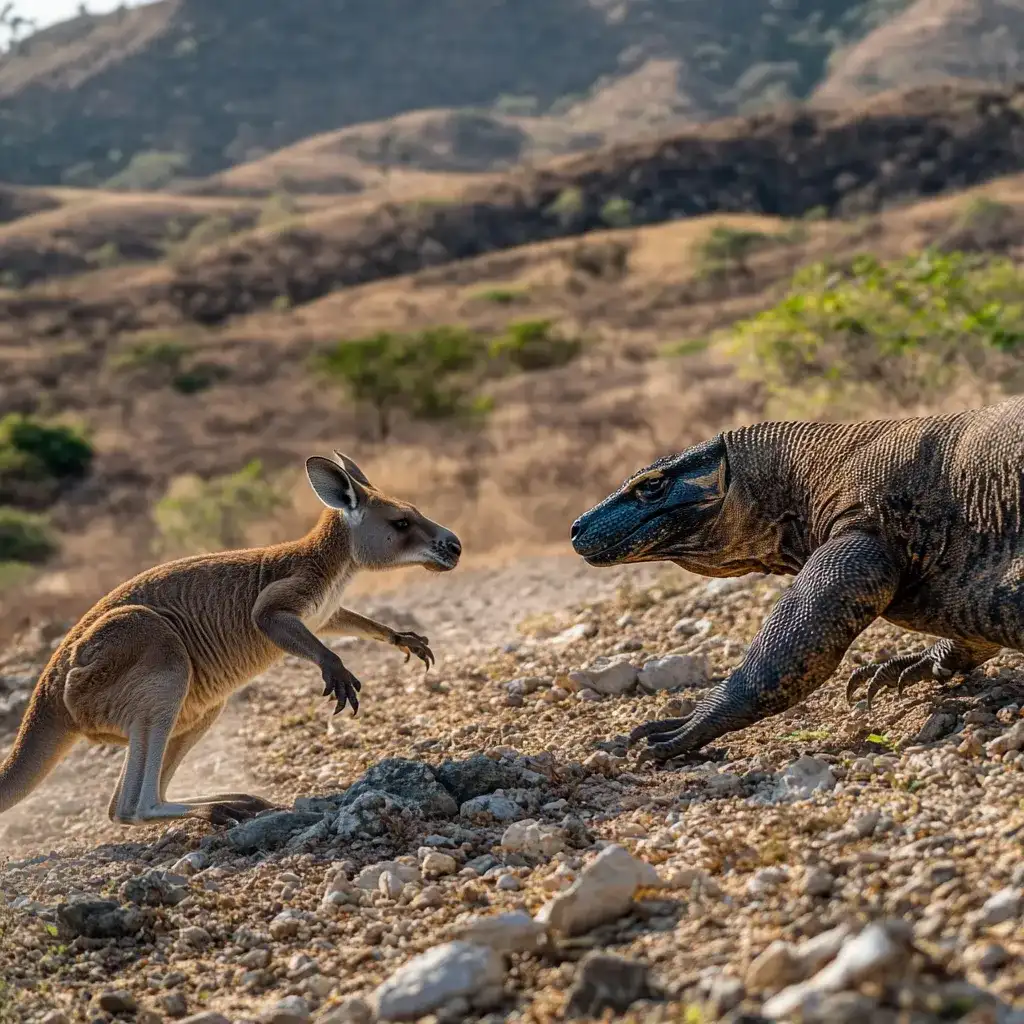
(663, 512)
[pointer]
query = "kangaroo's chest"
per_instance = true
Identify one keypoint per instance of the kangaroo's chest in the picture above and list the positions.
(324, 605)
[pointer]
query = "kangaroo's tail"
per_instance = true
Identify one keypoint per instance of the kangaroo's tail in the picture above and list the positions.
(44, 739)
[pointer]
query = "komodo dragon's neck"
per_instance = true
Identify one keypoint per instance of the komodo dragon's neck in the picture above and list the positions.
(788, 478)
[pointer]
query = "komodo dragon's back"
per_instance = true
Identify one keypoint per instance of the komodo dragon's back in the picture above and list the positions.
(915, 520)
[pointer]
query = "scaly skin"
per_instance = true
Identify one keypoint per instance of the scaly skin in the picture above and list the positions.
(917, 521)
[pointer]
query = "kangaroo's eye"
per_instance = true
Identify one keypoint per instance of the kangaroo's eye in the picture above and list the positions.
(400, 524)
(650, 488)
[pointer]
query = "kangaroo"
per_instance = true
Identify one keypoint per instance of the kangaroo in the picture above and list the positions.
(151, 665)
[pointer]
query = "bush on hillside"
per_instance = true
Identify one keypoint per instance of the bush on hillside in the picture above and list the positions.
(36, 458)
(902, 329)
(199, 515)
(429, 375)
(25, 537)
(535, 345)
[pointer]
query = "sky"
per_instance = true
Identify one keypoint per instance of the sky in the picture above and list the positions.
(45, 12)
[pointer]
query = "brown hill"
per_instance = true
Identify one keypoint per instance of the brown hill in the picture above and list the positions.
(186, 88)
(933, 40)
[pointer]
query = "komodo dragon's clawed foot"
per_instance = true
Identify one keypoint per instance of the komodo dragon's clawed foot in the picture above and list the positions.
(413, 643)
(940, 661)
(227, 813)
(666, 738)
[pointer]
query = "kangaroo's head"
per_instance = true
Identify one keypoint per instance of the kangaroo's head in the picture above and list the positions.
(385, 533)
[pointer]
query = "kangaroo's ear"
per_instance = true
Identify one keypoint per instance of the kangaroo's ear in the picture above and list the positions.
(351, 468)
(334, 485)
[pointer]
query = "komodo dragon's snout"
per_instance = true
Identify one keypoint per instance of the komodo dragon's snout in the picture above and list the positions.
(670, 510)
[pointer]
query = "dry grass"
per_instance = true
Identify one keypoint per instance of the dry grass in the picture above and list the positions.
(556, 440)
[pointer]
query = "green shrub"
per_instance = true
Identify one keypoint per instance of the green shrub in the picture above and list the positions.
(617, 212)
(25, 537)
(107, 255)
(501, 296)
(208, 231)
(58, 450)
(429, 374)
(727, 249)
(567, 207)
(149, 170)
(900, 328)
(210, 515)
(160, 352)
(535, 345)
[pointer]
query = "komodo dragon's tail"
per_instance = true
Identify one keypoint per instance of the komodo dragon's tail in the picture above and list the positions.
(45, 737)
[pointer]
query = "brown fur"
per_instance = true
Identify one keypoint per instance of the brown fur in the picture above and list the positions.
(151, 664)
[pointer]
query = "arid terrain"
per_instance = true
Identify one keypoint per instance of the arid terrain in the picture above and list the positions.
(616, 229)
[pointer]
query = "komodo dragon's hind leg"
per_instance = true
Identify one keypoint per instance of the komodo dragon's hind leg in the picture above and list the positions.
(844, 586)
(943, 659)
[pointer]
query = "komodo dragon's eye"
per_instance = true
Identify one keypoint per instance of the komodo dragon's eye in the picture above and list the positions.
(650, 488)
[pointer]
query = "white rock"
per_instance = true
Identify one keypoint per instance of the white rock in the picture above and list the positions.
(352, 1010)
(532, 838)
(818, 882)
(765, 881)
(369, 877)
(435, 864)
(674, 672)
(813, 954)
(500, 808)
(290, 1010)
(806, 775)
(441, 974)
(873, 954)
(864, 824)
(610, 676)
(1004, 905)
(591, 696)
(285, 925)
(337, 881)
(390, 885)
(1012, 739)
(603, 892)
(777, 965)
(508, 883)
(191, 863)
(692, 627)
(516, 932)
(581, 631)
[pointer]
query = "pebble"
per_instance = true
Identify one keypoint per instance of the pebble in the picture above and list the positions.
(581, 631)
(777, 965)
(805, 776)
(818, 882)
(673, 672)
(605, 982)
(492, 805)
(120, 1001)
(533, 839)
(514, 932)
(987, 957)
(390, 885)
(1012, 739)
(508, 883)
(195, 937)
(191, 863)
(434, 864)
(369, 877)
(353, 1010)
(285, 925)
(609, 676)
(433, 978)
(290, 1010)
(206, 1017)
(765, 881)
(1004, 905)
(603, 892)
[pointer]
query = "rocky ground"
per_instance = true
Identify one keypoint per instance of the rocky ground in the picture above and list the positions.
(479, 845)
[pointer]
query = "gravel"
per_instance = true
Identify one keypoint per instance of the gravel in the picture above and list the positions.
(447, 850)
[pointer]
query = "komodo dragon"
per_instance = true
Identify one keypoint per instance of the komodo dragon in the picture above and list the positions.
(917, 521)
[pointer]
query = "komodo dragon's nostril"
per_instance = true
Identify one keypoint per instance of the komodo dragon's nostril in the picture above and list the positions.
(575, 531)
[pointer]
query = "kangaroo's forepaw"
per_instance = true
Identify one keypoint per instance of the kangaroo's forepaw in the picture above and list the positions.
(341, 685)
(413, 643)
(902, 671)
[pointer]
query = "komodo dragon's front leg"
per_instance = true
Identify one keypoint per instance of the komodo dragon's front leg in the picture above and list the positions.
(844, 585)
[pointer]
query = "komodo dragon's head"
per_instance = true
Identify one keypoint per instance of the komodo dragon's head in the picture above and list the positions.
(673, 510)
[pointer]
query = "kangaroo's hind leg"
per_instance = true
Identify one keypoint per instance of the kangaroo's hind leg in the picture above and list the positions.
(178, 749)
(130, 676)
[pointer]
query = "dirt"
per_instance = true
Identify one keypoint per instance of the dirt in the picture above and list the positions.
(920, 824)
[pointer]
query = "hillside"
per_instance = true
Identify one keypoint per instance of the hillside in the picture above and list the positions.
(932, 40)
(203, 87)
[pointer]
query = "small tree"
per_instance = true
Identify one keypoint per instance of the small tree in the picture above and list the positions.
(426, 374)
(726, 249)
